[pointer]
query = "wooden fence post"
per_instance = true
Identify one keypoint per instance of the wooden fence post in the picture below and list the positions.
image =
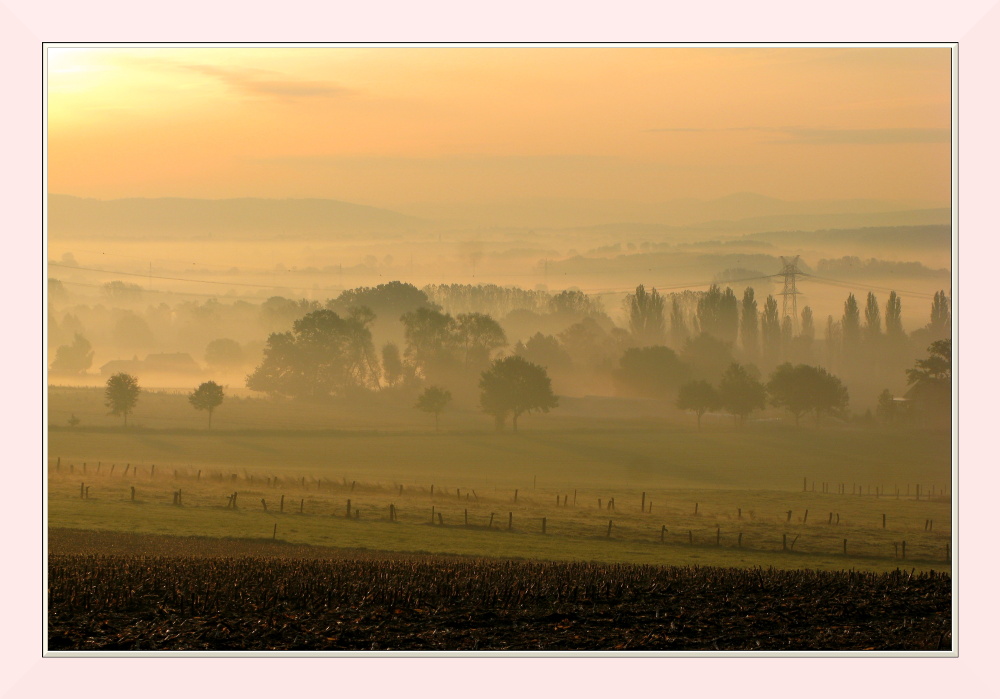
(739, 513)
(440, 519)
(784, 541)
(663, 531)
(133, 493)
(805, 517)
(81, 497)
(510, 521)
(883, 520)
(845, 547)
(789, 519)
(302, 503)
(609, 528)
(739, 540)
(690, 536)
(349, 510)
(543, 525)
(264, 503)
(466, 517)
(491, 519)
(643, 507)
(515, 495)
(696, 508)
(274, 532)
(574, 497)
(599, 505)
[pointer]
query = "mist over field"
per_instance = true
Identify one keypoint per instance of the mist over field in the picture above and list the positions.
(582, 325)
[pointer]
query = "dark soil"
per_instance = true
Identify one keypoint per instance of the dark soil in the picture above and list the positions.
(127, 592)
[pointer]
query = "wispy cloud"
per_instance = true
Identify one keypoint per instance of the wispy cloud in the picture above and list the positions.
(270, 84)
(800, 136)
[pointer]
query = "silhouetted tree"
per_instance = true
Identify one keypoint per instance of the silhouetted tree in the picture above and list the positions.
(718, 313)
(479, 335)
(770, 332)
(645, 316)
(324, 354)
(802, 388)
(390, 300)
(75, 358)
(873, 319)
(512, 386)
(940, 325)
(699, 397)
(121, 394)
(740, 393)
(431, 341)
(650, 372)
(544, 350)
(392, 364)
(893, 320)
(850, 327)
(433, 400)
(749, 325)
(931, 378)
(208, 396)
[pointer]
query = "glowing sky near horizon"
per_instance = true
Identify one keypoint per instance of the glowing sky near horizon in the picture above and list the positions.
(391, 126)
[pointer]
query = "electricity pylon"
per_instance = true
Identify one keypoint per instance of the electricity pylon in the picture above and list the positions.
(789, 271)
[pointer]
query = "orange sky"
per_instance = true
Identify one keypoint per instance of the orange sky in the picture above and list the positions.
(391, 126)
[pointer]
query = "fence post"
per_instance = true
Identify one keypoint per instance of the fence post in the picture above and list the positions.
(302, 504)
(274, 533)
(883, 520)
(574, 497)
(466, 517)
(133, 493)
(805, 517)
(845, 547)
(609, 528)
(491, 519)
(643, 501)
(543, 525)
(784, 541)
(696, 508)
(282, 508)
(349, 510)
(264, 503)
(515, 495)
(739, 541)
(663, 530)
(510, 521)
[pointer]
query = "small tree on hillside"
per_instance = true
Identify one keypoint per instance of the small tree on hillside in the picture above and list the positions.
(699, 397)
(208, 397)
(512, 386)
(433, 400)
(121, 394)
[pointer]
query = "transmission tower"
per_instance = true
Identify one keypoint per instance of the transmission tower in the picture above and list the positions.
(789, 271)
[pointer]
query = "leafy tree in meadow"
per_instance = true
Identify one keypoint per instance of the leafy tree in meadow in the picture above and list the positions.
(803, 388)
(75, 358)
(433, 400)
(740, 393)
(121, 393)
(698, 397)
(390, 300)
(512, 386)
(650, 372)
(646, 321)
(324, 354)
(208, 396)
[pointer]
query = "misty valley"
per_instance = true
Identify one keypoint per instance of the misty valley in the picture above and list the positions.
(548, 439)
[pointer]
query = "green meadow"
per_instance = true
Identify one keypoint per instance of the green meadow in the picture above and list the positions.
(645, 489)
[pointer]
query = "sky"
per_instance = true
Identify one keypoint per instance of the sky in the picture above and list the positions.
(395, 126)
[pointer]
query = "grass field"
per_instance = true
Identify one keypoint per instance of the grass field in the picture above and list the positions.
(743, 485)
